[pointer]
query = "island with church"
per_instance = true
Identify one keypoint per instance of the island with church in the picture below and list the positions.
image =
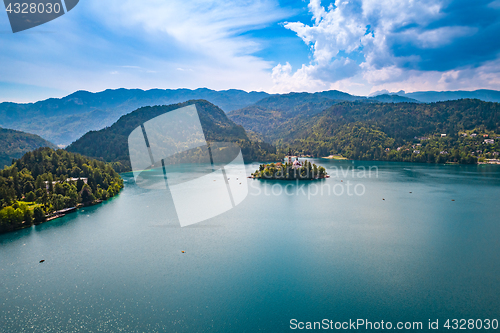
(290, 169)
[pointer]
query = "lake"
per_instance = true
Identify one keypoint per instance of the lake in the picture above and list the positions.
(404, 243)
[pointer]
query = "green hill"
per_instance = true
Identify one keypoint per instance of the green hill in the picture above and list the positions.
(374, 131)
(437, 132)
(45, 181)
(111, 144)
(274, 115)
(14, 144)
(406, 120)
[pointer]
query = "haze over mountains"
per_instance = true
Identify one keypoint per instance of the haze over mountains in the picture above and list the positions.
(441, 96)
(64, 120)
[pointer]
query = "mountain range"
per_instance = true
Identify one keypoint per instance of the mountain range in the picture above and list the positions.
(441, 96)
(317, 125)
(111, 143)
(64, 120)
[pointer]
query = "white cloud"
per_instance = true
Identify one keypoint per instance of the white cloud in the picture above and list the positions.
(440, 36)
(208, 28)
(334, 30)
(350, 29)
(301, 80)
(204, 43)
(486, 76)
(141, 44)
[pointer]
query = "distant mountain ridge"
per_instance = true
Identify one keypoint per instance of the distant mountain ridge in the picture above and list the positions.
(442, 96)
(63, 120)
(385, 98)
(14, 144)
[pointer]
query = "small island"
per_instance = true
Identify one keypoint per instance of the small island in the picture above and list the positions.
(289, 170)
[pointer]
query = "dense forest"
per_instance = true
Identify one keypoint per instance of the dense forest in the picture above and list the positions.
(277, 114)
(111, 144)
(360, 142)
(407, 120)
(45, 181)
(463, 131)
(14, 144)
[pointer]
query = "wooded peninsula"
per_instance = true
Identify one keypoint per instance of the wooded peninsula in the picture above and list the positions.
(46, 183)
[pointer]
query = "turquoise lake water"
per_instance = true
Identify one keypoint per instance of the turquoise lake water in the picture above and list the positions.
(277, 256)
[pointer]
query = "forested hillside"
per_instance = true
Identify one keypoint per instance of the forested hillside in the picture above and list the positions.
(14, 144)
(47, 180)
(405, 120)
(463, 131)
(369, 130)
(271, 115)
(277, 114)
(111, 144)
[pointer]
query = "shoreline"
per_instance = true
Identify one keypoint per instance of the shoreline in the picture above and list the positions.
(56, 215)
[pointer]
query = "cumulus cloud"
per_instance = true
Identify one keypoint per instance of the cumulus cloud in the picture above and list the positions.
(398, 42)
(143, 44)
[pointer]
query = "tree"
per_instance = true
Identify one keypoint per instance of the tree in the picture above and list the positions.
(28, 217)
(38, 215)
(322, 171)
(39, 183)
(76, 172)
(86, 194)
(50, 181)
(79, 184)
(71, 197)
(59, 189)
(28, 187)
(58, 202)
(7, 215)
(30, 197)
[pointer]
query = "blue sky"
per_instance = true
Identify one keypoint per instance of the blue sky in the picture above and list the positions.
(360, 47)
